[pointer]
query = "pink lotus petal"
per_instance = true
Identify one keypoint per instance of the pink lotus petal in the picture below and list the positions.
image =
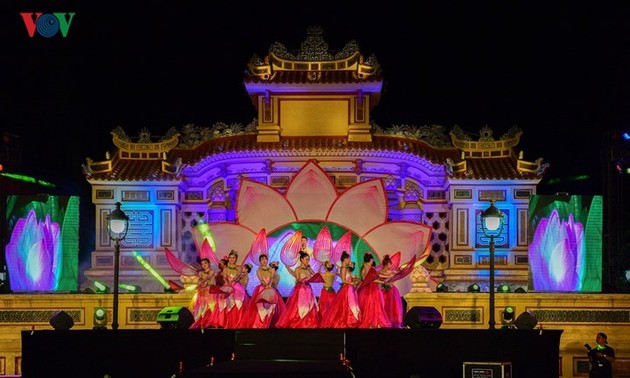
(323, 245)
(289, 253)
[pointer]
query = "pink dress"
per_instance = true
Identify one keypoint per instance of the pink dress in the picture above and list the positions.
(214, 317)
(372, 305)
(200, 304)
(344, 312)
(265, 305)
(235, 302)
(327, 295)
(393, 305)
(301, 310)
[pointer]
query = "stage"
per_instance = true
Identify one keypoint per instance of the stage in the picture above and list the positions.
(576, 317)
(283, 352)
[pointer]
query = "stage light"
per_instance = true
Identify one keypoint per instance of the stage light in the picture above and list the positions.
(131, 289)
(441, 288)
(101, 288)
(507, 317)
(503, 288)
(474, 288)
(100, 318)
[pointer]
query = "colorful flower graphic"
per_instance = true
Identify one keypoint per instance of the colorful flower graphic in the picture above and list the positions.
(32, 254)
(557, 254)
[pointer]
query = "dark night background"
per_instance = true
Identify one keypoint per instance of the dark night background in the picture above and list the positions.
(560, 71)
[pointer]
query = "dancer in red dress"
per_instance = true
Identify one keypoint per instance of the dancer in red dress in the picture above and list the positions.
(217, 300)
(391, 294)
(205, 279)
(301, 308)
(266, 304)
(327, 295)
(344, 312)
(237, 300)
(371, 301)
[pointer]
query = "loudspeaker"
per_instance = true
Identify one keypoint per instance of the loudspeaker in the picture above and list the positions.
(423, 318)
(175, 318)
(526, 320)
(61, 321)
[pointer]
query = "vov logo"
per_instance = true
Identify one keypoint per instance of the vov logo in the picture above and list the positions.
(47, 24)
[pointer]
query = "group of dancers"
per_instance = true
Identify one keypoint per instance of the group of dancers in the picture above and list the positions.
(366, 300)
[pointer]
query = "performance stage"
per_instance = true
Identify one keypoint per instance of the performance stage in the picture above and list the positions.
(284, 352)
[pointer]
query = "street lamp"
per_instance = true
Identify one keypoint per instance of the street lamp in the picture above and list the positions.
(117, 222)
(492, 225)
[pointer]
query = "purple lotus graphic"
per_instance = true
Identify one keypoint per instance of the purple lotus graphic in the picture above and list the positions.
(557, 254)
(32, 253)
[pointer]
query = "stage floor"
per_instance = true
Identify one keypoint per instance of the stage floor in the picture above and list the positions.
(371, 353)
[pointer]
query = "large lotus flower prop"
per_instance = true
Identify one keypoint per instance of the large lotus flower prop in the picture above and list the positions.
(557, 254)
(310, 198)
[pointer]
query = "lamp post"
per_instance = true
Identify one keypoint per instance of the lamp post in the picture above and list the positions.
(117, 222)
(492, 225)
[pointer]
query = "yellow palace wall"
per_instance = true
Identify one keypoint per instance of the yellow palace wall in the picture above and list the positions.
(580, 316)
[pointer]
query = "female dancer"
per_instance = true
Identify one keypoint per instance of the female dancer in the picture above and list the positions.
(217, 301)
(391, 294)
(344, 312)
(205, 279)
(371, 301)
(266, 304)
(237, 300)
(327, 295)
(301, 309)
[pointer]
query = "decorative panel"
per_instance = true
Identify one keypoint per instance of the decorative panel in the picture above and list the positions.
(521, 260)
(280, 181)
(522, 227)
(498, 260)
(462, 194)
(30, 316)
(136, 196)
(436, 194)
(492, 195)
(522, 193)
(165, 195)
(166, 225)
(462, 227)
(462, 315)
(463, 260)
(193, 195)
(140, 234)
(595, 315)
(104, 194)
(104, 240)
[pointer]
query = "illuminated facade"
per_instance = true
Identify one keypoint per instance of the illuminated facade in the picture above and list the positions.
(314, 106)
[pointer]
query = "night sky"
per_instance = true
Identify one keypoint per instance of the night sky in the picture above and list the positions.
(558, 71)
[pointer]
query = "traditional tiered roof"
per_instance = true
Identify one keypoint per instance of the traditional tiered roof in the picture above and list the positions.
(481, 159)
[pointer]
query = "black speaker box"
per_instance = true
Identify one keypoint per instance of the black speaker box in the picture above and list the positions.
(526, 320)
(61, 321)
(423, 318)
(175, 318)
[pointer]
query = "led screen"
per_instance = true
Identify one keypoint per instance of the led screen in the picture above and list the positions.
(565, 249)
(42, 251)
